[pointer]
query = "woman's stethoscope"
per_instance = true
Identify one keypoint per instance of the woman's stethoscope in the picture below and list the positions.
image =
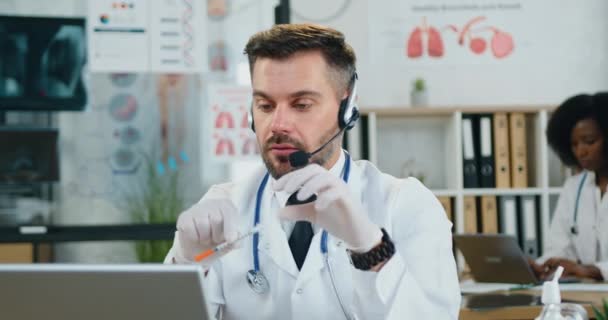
(574, 227)
(255, 278)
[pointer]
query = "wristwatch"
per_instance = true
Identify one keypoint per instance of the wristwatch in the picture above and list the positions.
(380, 253)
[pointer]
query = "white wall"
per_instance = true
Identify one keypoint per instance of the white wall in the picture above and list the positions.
(570, 56)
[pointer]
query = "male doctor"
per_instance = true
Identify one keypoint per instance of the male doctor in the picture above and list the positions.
(339, 238)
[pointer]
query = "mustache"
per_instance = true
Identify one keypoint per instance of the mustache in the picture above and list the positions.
(277, 139)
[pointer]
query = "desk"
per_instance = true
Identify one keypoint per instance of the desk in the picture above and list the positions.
(531, 312)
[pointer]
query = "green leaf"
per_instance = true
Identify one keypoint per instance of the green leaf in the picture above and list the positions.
(154, 198)
(598, 314)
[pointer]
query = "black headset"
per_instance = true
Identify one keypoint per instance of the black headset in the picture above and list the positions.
(347, 114)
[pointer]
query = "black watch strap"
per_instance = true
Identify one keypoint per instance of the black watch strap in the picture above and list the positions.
(380, 253)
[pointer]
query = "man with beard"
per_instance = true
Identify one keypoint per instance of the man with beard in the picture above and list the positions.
(339, 238)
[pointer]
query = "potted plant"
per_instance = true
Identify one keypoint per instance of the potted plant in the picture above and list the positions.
(156, 198)
(418, 95)
(601, 314)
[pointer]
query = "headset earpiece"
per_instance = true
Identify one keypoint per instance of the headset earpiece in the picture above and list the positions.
(250, 118)
(349, 112)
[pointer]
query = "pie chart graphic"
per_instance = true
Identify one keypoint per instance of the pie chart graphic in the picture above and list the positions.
(123, 107)
(124, 161)
(128, 135)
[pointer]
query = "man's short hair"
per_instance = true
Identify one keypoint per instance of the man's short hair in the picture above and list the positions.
(284, 40)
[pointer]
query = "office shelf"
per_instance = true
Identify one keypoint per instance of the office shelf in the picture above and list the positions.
(500, 192)
(427, 143)
(39, 234)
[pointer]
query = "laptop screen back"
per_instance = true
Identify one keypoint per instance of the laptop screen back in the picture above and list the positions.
(101, 292)
(495, 258)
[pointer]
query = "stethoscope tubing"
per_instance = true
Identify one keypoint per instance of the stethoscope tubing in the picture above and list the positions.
(574, 227)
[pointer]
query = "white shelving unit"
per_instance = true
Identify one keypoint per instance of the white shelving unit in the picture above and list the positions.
(427, 143)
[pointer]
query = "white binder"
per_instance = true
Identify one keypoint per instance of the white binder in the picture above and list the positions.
(508, 216)
(528, 218)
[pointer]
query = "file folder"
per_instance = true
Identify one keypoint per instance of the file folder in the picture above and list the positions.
(502, 166)
(528, 217)
(519, 156)
(16, 253)
(489, 215)
(486, 153)
(469, 154)
(508, 216)
(470, 215)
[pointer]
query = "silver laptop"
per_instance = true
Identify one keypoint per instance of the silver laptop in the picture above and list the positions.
(101, 292)
(495, 258)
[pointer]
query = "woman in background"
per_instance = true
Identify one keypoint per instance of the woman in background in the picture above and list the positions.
(578, 236)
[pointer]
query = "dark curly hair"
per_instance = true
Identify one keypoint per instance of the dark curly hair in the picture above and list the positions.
(568, 114)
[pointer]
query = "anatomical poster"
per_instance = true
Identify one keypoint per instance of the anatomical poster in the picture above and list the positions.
(433, 32)
(176, 36)
(228, 118)
(147, 36)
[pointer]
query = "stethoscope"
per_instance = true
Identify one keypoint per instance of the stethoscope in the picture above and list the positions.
(574, 227)
(255, 278)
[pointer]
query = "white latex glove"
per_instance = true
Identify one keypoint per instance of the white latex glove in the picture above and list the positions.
(208, 223)
(335, 209)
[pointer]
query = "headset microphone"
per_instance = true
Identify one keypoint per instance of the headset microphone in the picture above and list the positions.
(300, 158)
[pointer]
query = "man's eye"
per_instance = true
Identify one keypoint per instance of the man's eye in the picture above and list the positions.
(302, 106)
(265, 107)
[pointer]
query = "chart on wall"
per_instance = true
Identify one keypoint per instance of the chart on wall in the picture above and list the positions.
(231, 134)
(147, 36)
(433, 32)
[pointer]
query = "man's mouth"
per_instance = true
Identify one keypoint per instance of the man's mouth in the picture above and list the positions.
(282, 149)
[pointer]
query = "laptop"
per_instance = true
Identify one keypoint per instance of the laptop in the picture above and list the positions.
(101, 292)
(495, 258)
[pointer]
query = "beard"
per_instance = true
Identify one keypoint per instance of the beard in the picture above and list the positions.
(278, 166)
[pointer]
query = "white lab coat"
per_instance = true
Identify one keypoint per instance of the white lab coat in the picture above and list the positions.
(418, 282)
(590, 245)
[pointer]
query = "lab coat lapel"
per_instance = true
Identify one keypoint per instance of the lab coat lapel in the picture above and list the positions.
(314, 261)
(585, 241)
(273, 242)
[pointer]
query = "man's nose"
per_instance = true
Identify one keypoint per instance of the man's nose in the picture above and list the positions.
(281, 119)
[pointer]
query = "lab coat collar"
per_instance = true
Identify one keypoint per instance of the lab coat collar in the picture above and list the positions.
(273, 243)
(590, 177)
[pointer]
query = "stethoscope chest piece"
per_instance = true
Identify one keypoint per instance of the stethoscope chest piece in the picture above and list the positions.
(257, 281)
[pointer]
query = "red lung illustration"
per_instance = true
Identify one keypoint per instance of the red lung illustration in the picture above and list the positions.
(414, 44)
(435, 43)
(502, 44)
(245, 120)
(478, 45)
(224, 120)
(222, 145)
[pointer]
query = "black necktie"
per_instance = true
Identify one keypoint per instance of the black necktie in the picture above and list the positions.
(301, 236)
(299, 241)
